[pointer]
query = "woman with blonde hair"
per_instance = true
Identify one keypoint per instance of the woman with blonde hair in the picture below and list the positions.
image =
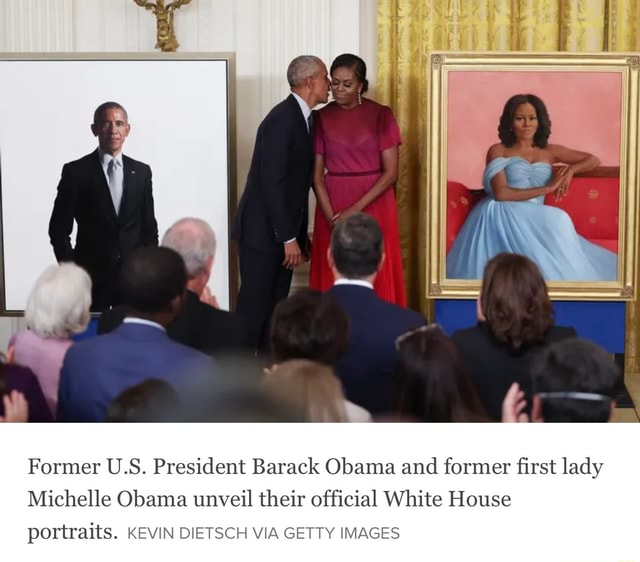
(57, 308)
(308, 389)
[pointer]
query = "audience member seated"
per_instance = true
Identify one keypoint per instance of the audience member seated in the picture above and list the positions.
(574, 381)
(202, 325)
(367, 368)
(17, 386)
(311, 326)
(152, 284)
(57, 307)
(515, 321)
(312, 390)
(433, 383)
(153, 400)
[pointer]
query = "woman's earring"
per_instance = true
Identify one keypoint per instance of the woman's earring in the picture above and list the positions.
(359, 97)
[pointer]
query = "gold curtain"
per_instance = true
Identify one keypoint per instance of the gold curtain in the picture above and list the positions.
(409, 29)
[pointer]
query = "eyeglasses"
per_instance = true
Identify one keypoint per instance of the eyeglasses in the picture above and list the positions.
(436, 328)
(589, 396)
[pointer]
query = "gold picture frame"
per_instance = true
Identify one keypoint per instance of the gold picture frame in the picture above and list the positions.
(467, 93)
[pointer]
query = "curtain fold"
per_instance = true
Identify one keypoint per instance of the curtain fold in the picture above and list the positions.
(409, 29)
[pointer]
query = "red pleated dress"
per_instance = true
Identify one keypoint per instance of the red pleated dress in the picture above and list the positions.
(351, 141)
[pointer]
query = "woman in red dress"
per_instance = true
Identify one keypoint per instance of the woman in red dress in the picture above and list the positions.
(356, 142)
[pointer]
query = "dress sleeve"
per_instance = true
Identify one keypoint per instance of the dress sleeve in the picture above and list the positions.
(388, 130)
(318, 135)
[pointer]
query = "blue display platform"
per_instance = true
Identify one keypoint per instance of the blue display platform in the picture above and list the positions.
(601, 322)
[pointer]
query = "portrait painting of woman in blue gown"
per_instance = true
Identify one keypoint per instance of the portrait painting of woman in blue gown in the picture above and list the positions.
(520, 171)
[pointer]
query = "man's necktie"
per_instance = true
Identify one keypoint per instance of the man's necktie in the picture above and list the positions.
(310, 123)
(115, 183)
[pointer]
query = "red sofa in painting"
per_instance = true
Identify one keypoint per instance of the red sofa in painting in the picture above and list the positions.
(592, 203)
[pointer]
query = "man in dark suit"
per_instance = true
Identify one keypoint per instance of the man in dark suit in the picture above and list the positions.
(152, 283)
(271, 222)
(367, 368)
(110, 198)
(201, 324)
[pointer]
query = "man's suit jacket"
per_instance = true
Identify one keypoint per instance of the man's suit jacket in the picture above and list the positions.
(199, 326)
(103, 238)
(273, 207)
(368, 366)
(96, 370)
(494, 366)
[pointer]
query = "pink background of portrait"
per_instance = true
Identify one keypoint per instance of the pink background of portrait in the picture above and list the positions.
(584, 108)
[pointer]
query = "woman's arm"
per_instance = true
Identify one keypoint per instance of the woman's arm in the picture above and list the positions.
(504, 192)
(320, 189)
(576, 161)
(389, 162)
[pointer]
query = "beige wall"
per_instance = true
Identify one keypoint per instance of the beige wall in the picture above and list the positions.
(264, 34)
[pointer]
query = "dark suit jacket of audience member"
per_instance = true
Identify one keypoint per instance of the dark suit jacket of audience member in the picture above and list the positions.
(199, 326)
(494, 366)
(367, 369)
(23, 380)
(100, 368)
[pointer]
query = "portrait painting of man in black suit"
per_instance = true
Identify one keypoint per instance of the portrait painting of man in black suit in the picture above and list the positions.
(109, 197)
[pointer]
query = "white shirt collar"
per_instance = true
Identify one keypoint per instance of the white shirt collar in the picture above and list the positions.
(306, 110)
(357, 282)
(132, 320)
(105, 158)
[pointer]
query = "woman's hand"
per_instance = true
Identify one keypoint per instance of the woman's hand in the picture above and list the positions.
(16, 408)
(565, 175)
(344, 214)
(513, 406)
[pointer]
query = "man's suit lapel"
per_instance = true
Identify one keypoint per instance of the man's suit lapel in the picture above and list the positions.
(301, 121)
(129, 182)
(102, 187)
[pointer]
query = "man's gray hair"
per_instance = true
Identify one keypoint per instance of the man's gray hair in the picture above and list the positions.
(195, 241)
(58, 305)
(302, 67)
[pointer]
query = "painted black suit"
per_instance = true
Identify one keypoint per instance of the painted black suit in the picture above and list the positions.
(103, 238)
(273, 210)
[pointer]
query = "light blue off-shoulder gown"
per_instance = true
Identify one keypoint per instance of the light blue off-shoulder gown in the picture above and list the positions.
(543, 233)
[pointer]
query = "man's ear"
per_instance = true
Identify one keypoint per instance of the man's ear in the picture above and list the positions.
(536, 409)
(94, 129)
(612, 407)
(332, 265)
(479, 314)
(384, 257)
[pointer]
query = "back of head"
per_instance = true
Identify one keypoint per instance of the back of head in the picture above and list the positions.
(58, 305)
(575, 381)
(357, 246)
(309, 388)
(195, 241)
(302, 67)
(514, 300)
(432, 383)
(150, 279)
(309, 325)
(152, 400)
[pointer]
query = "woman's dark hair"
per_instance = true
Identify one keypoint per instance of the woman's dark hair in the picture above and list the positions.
(309, 325)
(355, 63)
(153, 400)
(432, 382)
(514, 300)
(505, 128)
